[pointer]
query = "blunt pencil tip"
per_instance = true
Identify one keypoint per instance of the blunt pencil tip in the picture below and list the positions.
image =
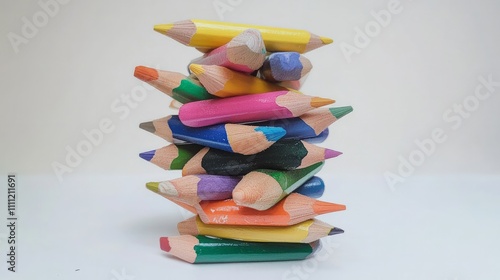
(145, 74)
(163, 28)
(272, 134)
(165, 244)
(326, 40)
(153, 186)
(148, 126)
(320, 101)
(147, 155)
(196, 69)
(336, 230)
(339, 112)
(331, 153)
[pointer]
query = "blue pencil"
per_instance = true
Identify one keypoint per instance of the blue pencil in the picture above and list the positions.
(308, 125)
(285, 66)
(318, 139)
(236, 138)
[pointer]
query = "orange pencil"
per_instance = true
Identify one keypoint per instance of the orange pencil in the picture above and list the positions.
(293, 209)
(223, 82)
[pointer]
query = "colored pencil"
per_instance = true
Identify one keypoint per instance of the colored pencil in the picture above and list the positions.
(285, 66)
(224, 82)
(263, 188)
(249, 108)
(204, 34)
(318, 139)
(176, 85)
(310, 124)
(235, 138)
(291, 210)
(283, 155)
(189, 207)
(171, 157)
(192, 189)
(203, 249)
(244, 53)
(304, 232)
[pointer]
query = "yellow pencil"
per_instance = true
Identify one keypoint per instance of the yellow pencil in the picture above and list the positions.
(209, 35)
(305, 232)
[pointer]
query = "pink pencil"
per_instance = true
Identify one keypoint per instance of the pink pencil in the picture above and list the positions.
(249, 108)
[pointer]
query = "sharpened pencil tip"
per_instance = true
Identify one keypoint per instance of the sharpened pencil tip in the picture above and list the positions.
(339, 112)
(326, 40)
(153, 186)
(165, 244)
(163, 28)
(331, 153)
(317, 102)
(196, 69)
(336, 230)
(272, 134)
(147, 155)
(145, 74)
(148, 126)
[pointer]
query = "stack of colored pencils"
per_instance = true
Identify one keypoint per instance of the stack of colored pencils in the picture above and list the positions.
(244, 139)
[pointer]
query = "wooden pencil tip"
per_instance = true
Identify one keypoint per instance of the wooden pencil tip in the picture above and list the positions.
(163, 28)
(326, 40)
(153, 186)
(339, 112)
(165, 244)
(320, 101)
(196, 69)
(148, 126)
(331, 153)
(336, 230)
(238, 196)
(145, 74)
(147, 155)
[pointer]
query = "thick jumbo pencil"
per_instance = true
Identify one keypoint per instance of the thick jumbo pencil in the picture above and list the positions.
(244, 53)
(249, 108)
(224, 82)
(173, 156)
(263, 188)
(174, 84)
(283, 155)
(310, 124)
(192, 189)
(304, 232)
(188, 206)
(318, 139)
(285, 66)
(204, 34)
(234, 138)
(203, 249)
(291, 210)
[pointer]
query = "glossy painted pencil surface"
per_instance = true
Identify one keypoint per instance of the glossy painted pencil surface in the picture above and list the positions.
(176, 85)
(318, 139)
(249, 108)
(244, 53)
(192, 189)
(263, 188)
(173, 156)
(285, 66)
(291, 210)
(309, 124)
(203, 249)
(283, 155)
(304, 232)
(235, 138)
(224, 82)
(204, 34)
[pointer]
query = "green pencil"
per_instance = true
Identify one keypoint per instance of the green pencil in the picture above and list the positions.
(262, 188)
(202, 249)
